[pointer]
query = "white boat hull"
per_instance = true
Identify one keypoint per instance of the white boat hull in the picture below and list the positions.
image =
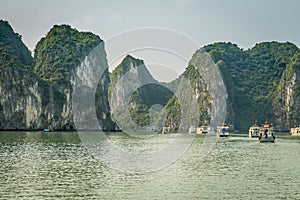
(223, 131)
(266, 133)
(254, 131)
(253, 135)
(267, 139)
(202, 130)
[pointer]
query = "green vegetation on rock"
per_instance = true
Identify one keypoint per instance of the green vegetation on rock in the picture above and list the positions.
(11, 42)
(63, 49)
(287, 96)
(141, 100)
(251, 78)
(37, 93)
(146, 96)
(8, 57)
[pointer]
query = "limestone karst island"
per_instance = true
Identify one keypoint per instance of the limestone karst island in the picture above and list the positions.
(36, 88)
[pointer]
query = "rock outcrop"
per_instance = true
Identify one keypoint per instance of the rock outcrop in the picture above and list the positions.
(21, 91)
(37, 93)
(252, 77)
(287, 101)
(129, 90)
(138, 101)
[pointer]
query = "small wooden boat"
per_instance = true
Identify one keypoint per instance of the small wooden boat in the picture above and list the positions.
(223, 130)
(266, 133)
(254, 130)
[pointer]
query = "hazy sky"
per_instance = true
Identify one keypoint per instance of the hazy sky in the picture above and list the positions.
(242, 22)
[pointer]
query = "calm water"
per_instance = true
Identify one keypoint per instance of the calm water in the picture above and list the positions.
(36, 165)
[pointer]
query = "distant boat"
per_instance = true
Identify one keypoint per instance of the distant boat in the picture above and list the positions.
(153, 129)
(254, 130)
(202, 130)
(47, 130)
(166, 130)
(192, 130)
(223, 130)
(295, 131)
(266, 133)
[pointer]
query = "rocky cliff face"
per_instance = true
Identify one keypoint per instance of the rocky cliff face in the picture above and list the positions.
(252, 77)
(287, 101)
(127, 106)
(20, 100)
(90, 83)
(38, 94)
(57, 57)
(210, 91)
(200, 94)
(137, 100)
(128, 76)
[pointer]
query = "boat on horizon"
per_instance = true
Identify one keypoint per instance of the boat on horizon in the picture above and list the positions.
(254, 130)
(223, 130)
(266, 133)
(295, 131)
(192, 130)
(166, 130)
(202, 129)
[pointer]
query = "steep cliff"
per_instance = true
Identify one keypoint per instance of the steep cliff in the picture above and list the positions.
(287, 99)
(134, 93)
(21, 92)
(59, 57)
(190, 104)
(251, 78)
(138, 100)
(37, 94)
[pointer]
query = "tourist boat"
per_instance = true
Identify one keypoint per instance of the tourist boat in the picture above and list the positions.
(202, 130)
(254, 130)
(295, 131)
(192, 129)
(223, 130)
(266, 133)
